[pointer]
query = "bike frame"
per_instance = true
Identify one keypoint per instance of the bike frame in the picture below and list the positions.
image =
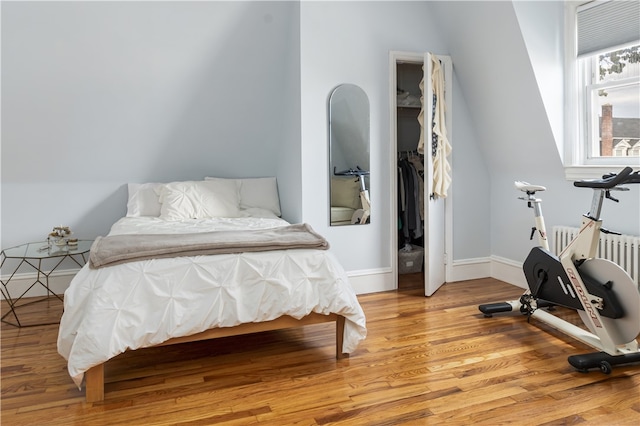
(607, 334)
(583, 246)
(536, 205)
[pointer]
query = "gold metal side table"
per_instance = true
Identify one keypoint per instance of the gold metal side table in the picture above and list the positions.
(34, 254)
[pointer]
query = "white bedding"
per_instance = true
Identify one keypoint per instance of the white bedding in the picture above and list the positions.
(139, 304)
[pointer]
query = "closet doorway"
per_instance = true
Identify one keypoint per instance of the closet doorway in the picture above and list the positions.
(420, 220)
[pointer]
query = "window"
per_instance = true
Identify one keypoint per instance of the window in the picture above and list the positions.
(610, 91)
(602, 87)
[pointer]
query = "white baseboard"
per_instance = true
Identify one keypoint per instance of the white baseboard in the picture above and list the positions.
(20, 283)
(500, 268)
(508, 270)
(470, 269)
(363, 281)
(372, 280)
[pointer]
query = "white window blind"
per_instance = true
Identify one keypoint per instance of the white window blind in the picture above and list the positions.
(606, 24)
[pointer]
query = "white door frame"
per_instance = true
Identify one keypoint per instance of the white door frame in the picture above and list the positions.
(414, 57)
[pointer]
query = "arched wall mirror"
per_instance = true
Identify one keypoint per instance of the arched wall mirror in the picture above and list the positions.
(349, 156)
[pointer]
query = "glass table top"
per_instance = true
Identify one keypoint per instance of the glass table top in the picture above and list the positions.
(41, 250)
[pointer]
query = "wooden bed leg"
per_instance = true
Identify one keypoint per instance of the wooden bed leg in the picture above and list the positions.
(340, 337)
(94, 383)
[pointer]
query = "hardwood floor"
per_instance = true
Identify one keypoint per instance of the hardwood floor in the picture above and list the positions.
(428, 361)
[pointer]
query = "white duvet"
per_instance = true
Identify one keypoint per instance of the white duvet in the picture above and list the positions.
(139, 304)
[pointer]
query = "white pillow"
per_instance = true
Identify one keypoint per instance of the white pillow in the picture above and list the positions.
(257, 212)
(256, 192)
(198, 200)
(260, 192)
(143, 199)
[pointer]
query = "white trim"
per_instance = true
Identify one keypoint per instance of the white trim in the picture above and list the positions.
(414, 57)
(470, 269)
(509, 271)
(574, 155)
(58, 282)
(384, 279)
(393, 143)
(448, 202)
(500, 268)
(373, 280)
(363, 281)
(571, 106)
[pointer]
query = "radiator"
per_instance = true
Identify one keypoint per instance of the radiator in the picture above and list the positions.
(623, 250)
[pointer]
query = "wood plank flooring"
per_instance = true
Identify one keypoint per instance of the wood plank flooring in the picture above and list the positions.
(426, 361)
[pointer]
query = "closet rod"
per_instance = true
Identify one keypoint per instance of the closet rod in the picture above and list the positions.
(402, 154)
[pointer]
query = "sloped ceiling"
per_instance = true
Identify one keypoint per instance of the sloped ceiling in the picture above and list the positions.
(494, 58)
(499, 84)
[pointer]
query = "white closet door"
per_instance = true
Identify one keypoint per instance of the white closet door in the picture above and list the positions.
(435, 217)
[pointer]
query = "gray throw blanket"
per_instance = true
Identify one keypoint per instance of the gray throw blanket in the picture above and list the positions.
(117, 249)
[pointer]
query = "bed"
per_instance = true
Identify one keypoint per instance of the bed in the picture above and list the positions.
(142, 288)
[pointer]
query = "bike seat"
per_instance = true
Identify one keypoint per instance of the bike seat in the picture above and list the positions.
(527, 187)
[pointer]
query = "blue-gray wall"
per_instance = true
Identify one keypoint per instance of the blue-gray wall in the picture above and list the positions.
(510, 62)
(349, 42)
(98, 94)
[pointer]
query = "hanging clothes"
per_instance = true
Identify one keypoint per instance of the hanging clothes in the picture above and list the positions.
(410, 200)
(418, 165)
(421, 116)
(440, 145)
(442, 150)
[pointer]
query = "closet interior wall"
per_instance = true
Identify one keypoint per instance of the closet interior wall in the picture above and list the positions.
(409, 163)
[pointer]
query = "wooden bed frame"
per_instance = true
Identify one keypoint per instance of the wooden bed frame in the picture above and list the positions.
(94, 377)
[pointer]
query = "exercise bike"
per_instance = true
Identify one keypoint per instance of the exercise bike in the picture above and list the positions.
(360, 216)
(603, 294)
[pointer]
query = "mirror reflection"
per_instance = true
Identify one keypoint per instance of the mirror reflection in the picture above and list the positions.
(349, 156)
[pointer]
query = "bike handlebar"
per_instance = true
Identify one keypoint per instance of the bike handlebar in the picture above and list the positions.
(611, 180)
(634, 177)
(351, 172)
